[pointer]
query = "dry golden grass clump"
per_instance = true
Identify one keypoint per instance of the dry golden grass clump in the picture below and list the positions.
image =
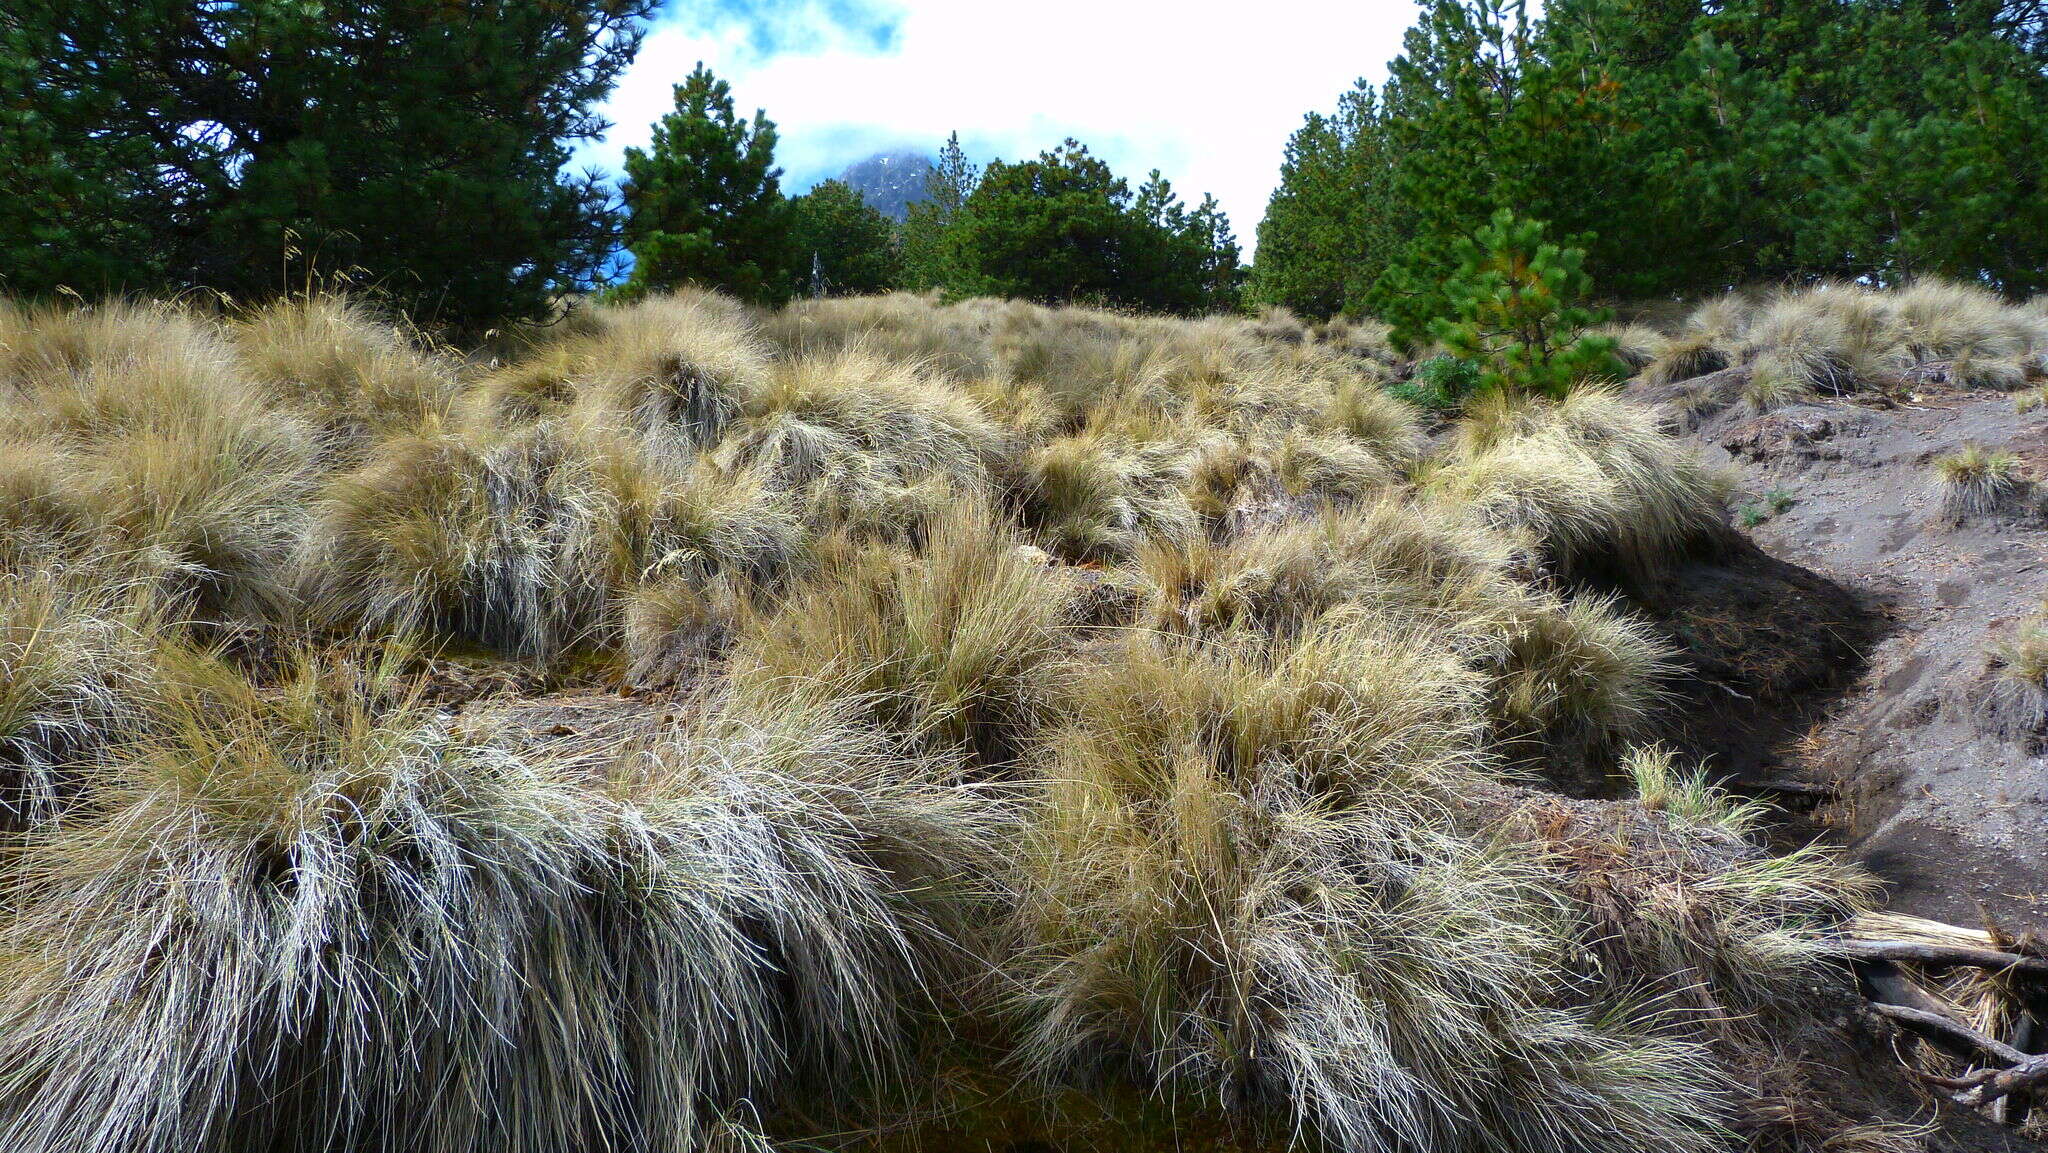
(137, 438)
(952, 648)
(349, 371)
(1362, 338)
(302, 915)
(524, 541)
(1580, 675)
(1709, 340)
(1736, 944)
(77, 671)
(1391, 557)
(1835, 338)
(1825, 341)
(914, 331)
(1243, 886)
(1101, 704)
(1636, 346)
(2013, 699)
(672, 371)
(858, 439)
(1976, 481)
(1098, 496)
(1590, 482)
(540, 386)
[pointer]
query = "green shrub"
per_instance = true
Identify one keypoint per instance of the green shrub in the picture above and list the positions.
(1440, 384)
(1517, 319)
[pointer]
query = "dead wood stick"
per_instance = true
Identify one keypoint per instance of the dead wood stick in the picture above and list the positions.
(1928, 1022)
(1917, 953)
(1889, 988)
(1998, 1084)
(1889, 984)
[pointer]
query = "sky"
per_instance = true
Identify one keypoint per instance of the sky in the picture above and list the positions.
(1206, 92)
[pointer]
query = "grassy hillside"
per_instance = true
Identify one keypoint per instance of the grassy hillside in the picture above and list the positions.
(1013, 725)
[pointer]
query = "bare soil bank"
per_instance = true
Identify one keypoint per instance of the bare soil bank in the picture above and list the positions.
(1841, 660)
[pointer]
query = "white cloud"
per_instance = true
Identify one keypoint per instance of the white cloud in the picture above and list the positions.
(1206, 92)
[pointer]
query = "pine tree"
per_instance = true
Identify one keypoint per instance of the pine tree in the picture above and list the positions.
(415, 145)
(1219, 269)
(841, 241)
(1064, 228)
(1686, 147)
(706, 199)
(1056, 229)
(1516, 312)
(1333, 221)
(1179, 260)
(926, 259)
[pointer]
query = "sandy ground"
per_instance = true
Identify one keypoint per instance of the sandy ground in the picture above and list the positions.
(1899, 756)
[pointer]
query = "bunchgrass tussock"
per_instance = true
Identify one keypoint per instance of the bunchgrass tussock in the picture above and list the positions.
(1095, 497)
(2013, 697)
(77, 675)
(1976, 481)
(353, 374)
(953, 648)
(853, 436)
(525, 540)
(1591, 480)
(1666, 786)
(153, 448)
(1585, 675)
(301, 913)
(670, 370)
(1636, 346)
(902, 328)
(1241, 889)
(1685, 357)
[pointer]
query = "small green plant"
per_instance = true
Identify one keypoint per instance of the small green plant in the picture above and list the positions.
(1684, 792)
(1517, 320)
(1772, 503)
(1440, 384)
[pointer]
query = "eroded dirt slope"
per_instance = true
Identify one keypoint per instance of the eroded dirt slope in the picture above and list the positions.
(1904, 760)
